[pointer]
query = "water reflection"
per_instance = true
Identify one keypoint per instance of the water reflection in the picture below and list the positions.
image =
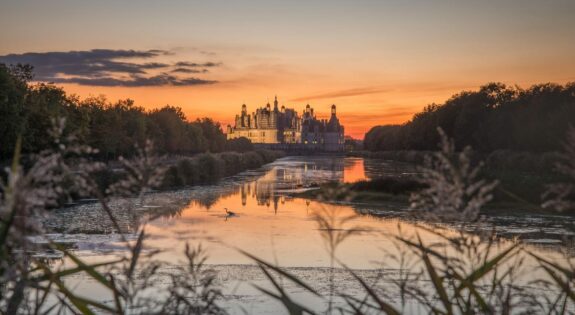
(291, 174)
(269, 223)
(267, 192)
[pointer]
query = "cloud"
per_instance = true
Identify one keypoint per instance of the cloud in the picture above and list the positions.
(136, 81)
(341, 93)
(186, 70)
(193, 64)
(107, 67)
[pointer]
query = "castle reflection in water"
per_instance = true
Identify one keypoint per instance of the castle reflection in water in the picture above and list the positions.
(269, 189)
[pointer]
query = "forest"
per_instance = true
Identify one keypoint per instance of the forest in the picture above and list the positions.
(496, 117)
(28, 109)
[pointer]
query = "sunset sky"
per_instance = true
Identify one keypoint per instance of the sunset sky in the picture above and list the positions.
(378, 61)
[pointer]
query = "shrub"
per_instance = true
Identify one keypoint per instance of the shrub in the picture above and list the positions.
(233, 163)
(240, 144)
(188, 171)
(210, 167)
(252, 160)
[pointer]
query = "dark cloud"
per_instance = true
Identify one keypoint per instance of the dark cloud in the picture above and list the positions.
(107, 67)
(195, 65)
(136, 81)
(187, 70)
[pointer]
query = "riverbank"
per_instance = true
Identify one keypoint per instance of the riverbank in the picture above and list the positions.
(365, 191)
(208, 168)
(200, 169)
(398, 190)
(523, 176)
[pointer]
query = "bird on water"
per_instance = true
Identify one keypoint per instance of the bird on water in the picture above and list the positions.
(229, 213)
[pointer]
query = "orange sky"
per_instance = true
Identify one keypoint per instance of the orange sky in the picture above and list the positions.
(378, 61)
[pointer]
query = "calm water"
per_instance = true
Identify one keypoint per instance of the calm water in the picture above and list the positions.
(272, 225)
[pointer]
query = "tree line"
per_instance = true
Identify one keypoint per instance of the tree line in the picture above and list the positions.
(496, 117)
(114, 128)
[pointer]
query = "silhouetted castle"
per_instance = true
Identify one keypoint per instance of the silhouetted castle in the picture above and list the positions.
(285, 126)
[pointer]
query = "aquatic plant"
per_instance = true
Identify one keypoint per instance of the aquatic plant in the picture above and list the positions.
(561, 196)
(561, 274)
(445, 271)
(454, 191)
(29, 284)
(449, 271)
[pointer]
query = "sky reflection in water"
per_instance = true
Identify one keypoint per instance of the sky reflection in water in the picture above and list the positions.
(269, 223)
(274, 226)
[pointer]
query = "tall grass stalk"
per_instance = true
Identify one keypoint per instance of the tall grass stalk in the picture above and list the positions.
(442, 270)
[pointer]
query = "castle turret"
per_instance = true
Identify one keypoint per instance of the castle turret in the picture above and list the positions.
(276, 103)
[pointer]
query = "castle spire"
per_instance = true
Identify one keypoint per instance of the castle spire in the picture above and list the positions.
(276, 103)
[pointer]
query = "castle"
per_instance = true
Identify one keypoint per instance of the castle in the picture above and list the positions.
(283, 127)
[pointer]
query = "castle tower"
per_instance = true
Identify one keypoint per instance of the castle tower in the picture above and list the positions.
(276, 103)
(333, 110)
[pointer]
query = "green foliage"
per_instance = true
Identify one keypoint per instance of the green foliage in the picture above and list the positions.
(241, 144)
(112, 128)
(213, 132)
(454, 189)
(30, 285)
(455, 271)
(208, 168)
(234, 163)
(496, 117)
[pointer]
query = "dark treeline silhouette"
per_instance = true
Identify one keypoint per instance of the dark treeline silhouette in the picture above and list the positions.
(497, 117)
(208, 168)
(27, 110)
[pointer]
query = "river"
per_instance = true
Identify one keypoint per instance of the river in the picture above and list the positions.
(273, 225)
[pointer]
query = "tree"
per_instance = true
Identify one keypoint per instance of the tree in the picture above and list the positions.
(492, 118)
(241, 144)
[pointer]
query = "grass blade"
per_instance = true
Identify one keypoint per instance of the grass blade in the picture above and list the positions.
(281, 272)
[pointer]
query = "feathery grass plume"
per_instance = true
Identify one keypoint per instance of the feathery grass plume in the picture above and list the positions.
(561, 196)
(454, 192)
(25, 197)
(30, 285)
(144, 172)
(467, 273)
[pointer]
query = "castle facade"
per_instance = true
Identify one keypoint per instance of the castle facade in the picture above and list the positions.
(284, 126)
